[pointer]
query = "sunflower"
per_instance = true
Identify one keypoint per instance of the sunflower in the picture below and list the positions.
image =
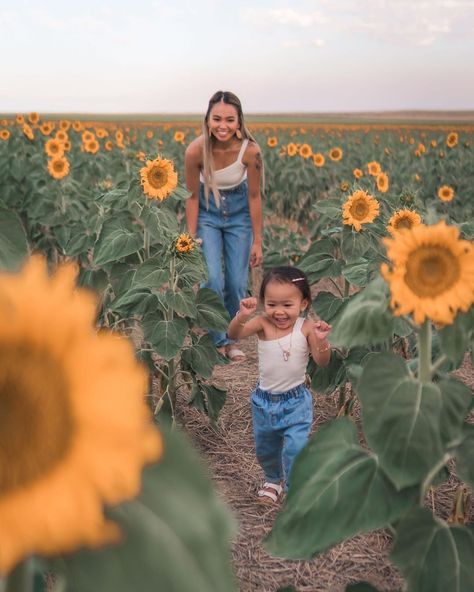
(87, 136)
(402, 220)
(358, 173)
(344, 186)
(360, 208)
(4, 134)
(77, 126)
(382, 182)
(58, 167)
(374, 168)
(434, 143)
(318, 159)
(20, 119)
(149, 134)
(158, 178)
(91, 146)
(305, 150)
(61, 136)
(64, 125)
(54, 148)
(291, 149)
(101, 133)
(33, 118)
(335, 154)
(78, 431)
(272, 141)
(108, 145)
(141, 156)
(46, 128)
(28, 131)
(431, 273)
(446, 193)
(119, 137)
(452, 140)
(184, 243)
(178, 137)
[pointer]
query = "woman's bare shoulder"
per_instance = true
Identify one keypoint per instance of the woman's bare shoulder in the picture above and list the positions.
(194, 149)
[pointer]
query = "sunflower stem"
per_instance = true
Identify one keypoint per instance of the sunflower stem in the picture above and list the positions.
(346, 288)
(146, 243)
(337, 286)
(21, 578)
(424, 352)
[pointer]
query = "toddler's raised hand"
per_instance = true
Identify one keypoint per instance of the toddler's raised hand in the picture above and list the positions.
(248, 306)
(321, 330)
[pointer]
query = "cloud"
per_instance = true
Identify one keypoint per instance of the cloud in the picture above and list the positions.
(283, 16)
(399, 22)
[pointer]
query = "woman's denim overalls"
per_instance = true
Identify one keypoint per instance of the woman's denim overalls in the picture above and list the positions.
(226, 234)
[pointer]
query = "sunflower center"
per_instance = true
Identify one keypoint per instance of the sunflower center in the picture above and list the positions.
(359, 209)
(403, 223)
(157, 177)
(36, 423)
(431, 271)
(58, 166)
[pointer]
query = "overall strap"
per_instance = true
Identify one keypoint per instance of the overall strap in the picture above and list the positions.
(242, 150)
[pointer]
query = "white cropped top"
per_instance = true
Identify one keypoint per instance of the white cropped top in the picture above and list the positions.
(276, 374)
(232, 175)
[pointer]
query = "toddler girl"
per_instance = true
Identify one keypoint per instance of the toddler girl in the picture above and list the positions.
(282, 406)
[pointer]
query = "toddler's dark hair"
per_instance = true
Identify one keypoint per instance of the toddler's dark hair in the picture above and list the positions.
(286, 275)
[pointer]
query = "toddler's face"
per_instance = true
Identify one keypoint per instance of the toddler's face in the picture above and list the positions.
(283, 304)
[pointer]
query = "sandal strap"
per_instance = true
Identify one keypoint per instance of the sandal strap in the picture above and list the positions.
(267, 488)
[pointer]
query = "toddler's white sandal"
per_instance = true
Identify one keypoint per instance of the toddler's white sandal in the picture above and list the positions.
(269, 493)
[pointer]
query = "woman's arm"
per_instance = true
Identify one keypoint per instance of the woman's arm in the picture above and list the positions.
(253, 161)
(192, 168)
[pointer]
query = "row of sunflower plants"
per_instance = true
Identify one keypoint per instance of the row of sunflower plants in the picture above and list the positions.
(129, 241)
(403, 320)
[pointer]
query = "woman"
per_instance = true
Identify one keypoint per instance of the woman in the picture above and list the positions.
(224, 171)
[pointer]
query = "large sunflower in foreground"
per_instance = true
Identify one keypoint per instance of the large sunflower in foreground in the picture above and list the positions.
(431, 273)
(75, 432)
(158, 178)
(403, 220)
(360, 208)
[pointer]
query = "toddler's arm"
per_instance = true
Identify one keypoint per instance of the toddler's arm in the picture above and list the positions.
(318, 342)
(240, 326)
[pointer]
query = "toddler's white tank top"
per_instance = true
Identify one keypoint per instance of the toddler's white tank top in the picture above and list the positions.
(276, 374)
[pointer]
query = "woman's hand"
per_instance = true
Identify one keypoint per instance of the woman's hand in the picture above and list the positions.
(256, 255)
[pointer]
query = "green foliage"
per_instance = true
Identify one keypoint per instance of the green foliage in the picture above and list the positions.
(338, 488)
(433, 556)
(176, 534)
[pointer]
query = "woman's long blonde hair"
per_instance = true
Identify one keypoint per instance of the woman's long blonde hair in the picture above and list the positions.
(208, 164)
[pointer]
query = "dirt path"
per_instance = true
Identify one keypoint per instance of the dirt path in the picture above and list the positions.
(231, 456)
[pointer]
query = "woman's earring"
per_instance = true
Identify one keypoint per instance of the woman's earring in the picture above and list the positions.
(238, 134)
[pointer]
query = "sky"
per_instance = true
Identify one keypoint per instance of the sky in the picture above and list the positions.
(290, 56)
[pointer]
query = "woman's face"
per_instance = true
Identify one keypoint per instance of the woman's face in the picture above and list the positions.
(223, 121)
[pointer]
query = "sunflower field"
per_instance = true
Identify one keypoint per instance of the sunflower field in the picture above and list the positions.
(381, 219)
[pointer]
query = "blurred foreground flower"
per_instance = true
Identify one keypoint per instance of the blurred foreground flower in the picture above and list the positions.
(75, 431)
(158, 178)
(431, 273)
